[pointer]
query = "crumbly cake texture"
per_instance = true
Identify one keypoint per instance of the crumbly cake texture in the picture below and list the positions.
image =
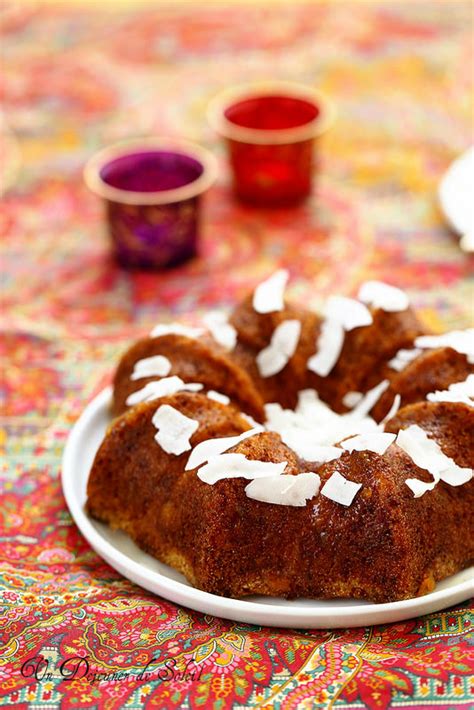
(383, 544)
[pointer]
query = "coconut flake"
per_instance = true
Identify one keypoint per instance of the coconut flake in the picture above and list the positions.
(175, 329)
(382, 295)
(285, 490)
(341, 314)
(321, 454)
(422, 450)
(328, 348)
(253, 422)
(213, 447)
(309, 403)
(370, 398)
(313, 424)
(281, 348)
(218, 397)
(455, 475)
(427, 454)
(393, 409)
(237, 466)
(419, 487)
(221, 330)
(457, 392)
(154, 366)
(304, 444)
(460, 340)
(340, 489)
(403, 357)
(174, 429)
(378, 442)
(162, 388)
(351, 399)
(347, 312)
(268, 296)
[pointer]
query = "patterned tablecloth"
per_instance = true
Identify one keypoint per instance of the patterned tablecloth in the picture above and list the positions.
(79, 77)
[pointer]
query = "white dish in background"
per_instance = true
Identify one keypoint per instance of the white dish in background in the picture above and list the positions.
(122, 554)
(456, 197)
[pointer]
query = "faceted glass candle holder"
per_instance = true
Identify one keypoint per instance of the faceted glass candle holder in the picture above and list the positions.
(271, 131)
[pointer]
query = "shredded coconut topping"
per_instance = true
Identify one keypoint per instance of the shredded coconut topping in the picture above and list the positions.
(370, 399)
(418, 487)
(313, 428)
(351, 399)
(154, 366)
(403, 358)
(218, 397)
(303, 444)
(457, 392)
(460, 340)
(268, 296)
(393, 409)
(212, 447)
(253, 423)
(348, 312)
(328, 348)
(237, 466)
(341, 315)
(383, 296)
(340, 489)
(427, 454)
(174, 429)
(221, 330)
(175, 329)
(378, 442)
(285, 490)
(281, 348)
(161, 388)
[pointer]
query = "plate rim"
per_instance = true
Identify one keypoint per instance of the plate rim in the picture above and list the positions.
(445, 189)
(240, 610)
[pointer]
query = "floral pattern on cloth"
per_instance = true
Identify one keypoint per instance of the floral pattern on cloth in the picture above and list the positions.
(73, 632)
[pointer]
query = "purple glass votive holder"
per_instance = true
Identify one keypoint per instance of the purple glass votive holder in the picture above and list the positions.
(152, 191)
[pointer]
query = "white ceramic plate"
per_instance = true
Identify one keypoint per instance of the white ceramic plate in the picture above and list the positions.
(122, 554)
(455, 197)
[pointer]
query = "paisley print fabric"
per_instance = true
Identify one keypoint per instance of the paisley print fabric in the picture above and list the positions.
(73, 633)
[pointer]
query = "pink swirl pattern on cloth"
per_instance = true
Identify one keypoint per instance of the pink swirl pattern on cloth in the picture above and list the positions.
(78, 77)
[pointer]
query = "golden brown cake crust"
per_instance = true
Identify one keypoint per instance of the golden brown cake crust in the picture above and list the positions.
(364, 354)
(193, 361)
(254, 331)
(450, 424)
(236, 373)
(132, 478)
(432, 370)
(360, 365)
(387, 545)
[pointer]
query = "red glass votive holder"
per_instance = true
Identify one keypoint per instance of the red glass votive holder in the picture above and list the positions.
(271, 131)
(152, 191)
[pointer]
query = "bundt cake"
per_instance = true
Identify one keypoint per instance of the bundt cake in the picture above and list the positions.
(286, 453)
